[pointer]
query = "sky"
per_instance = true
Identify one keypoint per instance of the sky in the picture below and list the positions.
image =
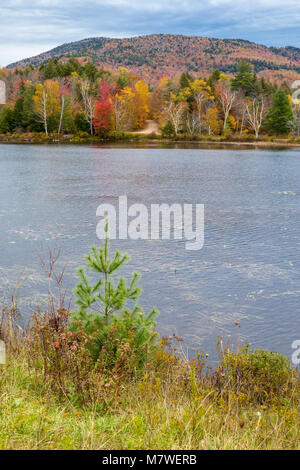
(29, 27)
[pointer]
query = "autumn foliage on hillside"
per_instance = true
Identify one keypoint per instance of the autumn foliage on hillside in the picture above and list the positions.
(158, 55)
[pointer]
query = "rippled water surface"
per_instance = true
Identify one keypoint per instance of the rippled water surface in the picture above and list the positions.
(248, 270)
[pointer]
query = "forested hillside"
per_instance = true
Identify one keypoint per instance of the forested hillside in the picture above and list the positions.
(164, 54)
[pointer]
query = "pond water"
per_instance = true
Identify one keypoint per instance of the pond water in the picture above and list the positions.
(247, 271)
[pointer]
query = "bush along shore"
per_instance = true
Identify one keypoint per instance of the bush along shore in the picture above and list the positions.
(100, 377)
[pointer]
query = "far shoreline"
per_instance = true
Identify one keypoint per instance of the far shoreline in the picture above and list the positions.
(140, 140)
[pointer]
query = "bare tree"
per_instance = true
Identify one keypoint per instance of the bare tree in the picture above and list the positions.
(203, 102)
(240, 111)
(57, 293)
(255, 114)
(192, 123)
(200, 97)
(175, 112)
(43, 109)
(227, 99)
(62, 110)
(296, 121)
(89, 102)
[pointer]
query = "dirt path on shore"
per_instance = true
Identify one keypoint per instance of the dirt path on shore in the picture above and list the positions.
(151, 126)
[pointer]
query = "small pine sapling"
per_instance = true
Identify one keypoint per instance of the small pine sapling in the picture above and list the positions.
(102, 308)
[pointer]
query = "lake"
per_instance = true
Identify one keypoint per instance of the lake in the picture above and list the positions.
(247, 271)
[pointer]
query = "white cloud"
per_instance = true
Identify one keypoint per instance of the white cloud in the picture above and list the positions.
(29, 28)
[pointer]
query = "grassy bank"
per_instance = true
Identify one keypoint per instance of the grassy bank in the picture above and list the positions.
(84, 138)
(101, 378)
(150, 413)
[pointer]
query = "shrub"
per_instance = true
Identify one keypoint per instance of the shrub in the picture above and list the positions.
(61, 355)
(256, 376)
(168, 130)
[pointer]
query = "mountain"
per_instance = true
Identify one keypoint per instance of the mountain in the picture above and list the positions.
(166, 54)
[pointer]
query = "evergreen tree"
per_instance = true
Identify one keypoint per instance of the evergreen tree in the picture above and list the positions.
(168, 130)
(185, 80)
(18, 112)
(214, 78)
(90, 71)
(123, 80)
(99, 303)
(280, 116)
(7, 121)
(30, 120)
(103, 295)
(81, 124)
(244, 80)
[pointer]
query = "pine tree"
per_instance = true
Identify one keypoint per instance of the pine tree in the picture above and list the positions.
(90, 71)
(7, 121)
(103, 295)
(18, 112)
(280, 116)
(81, 124)
(213, 79)
(244, 80)
(99, 304)
(185, 80)
(30, 119)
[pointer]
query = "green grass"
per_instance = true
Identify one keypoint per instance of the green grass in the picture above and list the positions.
(144, 414)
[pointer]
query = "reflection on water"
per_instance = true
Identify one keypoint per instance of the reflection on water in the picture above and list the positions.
(248, 270)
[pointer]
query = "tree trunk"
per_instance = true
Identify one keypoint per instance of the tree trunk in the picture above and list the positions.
(61, 113)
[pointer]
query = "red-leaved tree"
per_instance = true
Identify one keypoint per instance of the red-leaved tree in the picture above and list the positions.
(103, 113)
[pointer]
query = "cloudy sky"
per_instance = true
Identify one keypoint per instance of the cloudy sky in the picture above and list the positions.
(31, 27)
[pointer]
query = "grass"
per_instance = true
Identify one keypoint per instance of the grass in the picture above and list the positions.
(136, 394)
(145, 414)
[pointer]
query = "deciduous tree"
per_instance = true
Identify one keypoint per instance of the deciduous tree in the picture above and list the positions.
(142, 103)
(255, 114)
(103, 113)
(47, 101)
(226, 97)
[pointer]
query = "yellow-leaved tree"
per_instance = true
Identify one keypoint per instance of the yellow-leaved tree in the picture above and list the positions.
(158, 98)
(124, 109)
(212, 121)
(47, 101)
(203, 96)
(142, 103)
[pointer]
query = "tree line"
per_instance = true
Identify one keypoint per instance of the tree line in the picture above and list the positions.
(72, 97)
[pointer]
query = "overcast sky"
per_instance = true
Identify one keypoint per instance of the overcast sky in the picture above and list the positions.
(29, 27)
